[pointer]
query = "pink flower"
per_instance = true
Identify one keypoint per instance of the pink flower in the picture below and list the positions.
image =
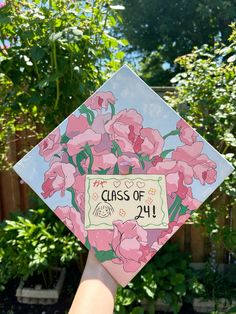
(50, 145)
(101, 239)
(79, 183)
(99, 122)
(59, 177)
(165, 167)
(89, 137)
(203, 167)
(187, 171)
(125, 162)
(188, 153)
(189, 201)
(103, 147)
(76, 125)
(174, 182)
(100, 100)
(2, 4)
(172, 228)
(124, 127)
(177, 174)
(72, 219)
(102, 161)
(186, 134)
(130, 245)
(79, 189)
(149, 142)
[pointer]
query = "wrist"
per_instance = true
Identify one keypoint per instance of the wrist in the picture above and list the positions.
(95, 270)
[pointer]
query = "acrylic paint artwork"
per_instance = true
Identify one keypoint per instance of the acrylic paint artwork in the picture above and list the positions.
(123, 172)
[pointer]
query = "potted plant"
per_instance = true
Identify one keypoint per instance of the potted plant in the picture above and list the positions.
(216, 290)
(34, 248)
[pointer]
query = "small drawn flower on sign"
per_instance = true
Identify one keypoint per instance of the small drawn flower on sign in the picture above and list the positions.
(95, 196)
(122, 212)
(152, 191)
(149, 201)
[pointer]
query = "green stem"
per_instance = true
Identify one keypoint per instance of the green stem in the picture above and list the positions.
(54, 60)
(36, 69)
(90, 155)
(175, 212)
(183, 209)
(166, 152)
(113, 111)
(174, 132)
(71, 160)
(73, 202)
(173, 206)
(57, 80)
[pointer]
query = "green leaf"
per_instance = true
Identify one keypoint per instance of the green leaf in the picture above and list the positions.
(4, 19)
(166, 152)
(177, 279)
(232, 58)
(183, 209)
(127, 296)
(103, 256)
(55, 36)
(137, 310)
(37, 53)
(116, 150)
(232, 310)
(103, 171)
(116, 169)
(150, 292)
(131, 169)
(87, 244)
(64, 139)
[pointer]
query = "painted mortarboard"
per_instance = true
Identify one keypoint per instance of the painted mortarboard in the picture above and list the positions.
(123, 172)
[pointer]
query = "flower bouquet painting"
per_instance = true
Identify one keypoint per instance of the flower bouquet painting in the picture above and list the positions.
(123, 130)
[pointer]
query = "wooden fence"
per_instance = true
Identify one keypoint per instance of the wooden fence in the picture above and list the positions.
(14, 196)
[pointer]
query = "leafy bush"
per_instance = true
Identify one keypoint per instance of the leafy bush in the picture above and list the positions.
(206, 98)
(167, 276)
(215, 284)
(211, 284)
(53, 55)
(33, 243)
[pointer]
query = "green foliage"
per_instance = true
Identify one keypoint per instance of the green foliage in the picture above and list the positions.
(53, 55)
(166, 29)
(167, 277)
(33, 243)
(213, 284)
(206, 97)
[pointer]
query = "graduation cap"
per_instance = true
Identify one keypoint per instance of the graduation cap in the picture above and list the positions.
(123, 172)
